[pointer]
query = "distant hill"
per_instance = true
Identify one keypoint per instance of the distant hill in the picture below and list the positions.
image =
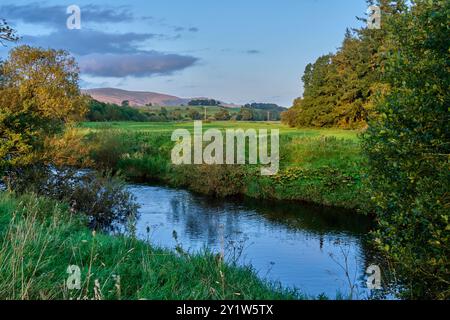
(135, 98)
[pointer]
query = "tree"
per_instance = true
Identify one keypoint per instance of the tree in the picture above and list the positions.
(39, 94)
(204, 102)
(408, 147)
(222, 115)
(125, 103)
(339, 88)
(164, 113)
(100, 111)
(291, 116)
(245, 114)
(194, 114)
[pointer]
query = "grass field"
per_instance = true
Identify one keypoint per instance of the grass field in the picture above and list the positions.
(161, 127)
(322, 166)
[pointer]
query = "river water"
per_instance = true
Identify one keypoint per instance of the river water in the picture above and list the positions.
(317, 250)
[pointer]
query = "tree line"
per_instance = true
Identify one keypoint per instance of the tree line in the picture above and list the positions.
(339, 88)
(103, 112)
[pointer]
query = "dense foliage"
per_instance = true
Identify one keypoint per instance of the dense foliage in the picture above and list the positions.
(408, 147)
(339, 88)
(265, 106)
(39, 93)
(397, 80)
(204, 102)
(104, 112)
(251, 114)
(99, 111)
(102, 198)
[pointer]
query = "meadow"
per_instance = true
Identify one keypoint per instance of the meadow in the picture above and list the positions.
(322, 166)
(160, 127)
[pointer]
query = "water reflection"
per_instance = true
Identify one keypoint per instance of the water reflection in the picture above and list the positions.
(299, 245)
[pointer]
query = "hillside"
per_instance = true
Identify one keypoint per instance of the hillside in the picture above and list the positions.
(135, 98)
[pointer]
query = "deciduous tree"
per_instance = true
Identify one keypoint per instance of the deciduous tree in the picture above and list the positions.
(39, 94)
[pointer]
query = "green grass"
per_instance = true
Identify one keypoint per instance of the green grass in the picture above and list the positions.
(323, 166)
(39, 239)
(160, 127)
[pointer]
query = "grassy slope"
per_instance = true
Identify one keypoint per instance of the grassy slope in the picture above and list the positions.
(323, 166)
(39, 240)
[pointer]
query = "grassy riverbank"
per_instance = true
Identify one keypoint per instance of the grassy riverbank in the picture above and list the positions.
(40, 239)
(322, 166)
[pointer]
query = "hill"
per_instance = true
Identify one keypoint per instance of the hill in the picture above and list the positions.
(135, 98)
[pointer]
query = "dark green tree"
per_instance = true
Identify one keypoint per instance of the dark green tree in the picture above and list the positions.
(408, 149)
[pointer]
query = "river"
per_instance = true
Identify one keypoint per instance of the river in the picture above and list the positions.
(308, 247)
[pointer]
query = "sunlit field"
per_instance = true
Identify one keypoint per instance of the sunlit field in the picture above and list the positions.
(159, 127)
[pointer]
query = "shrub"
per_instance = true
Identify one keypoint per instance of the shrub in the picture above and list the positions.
(108, 147)
(408, 148)
(104, 199)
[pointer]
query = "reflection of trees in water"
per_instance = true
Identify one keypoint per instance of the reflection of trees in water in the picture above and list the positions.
(215, 221)
(204, 218)
(211, 219)
(315, 219)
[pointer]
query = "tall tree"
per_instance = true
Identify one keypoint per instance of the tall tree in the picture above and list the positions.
(339, 89)
(408, 148)
(39, 94)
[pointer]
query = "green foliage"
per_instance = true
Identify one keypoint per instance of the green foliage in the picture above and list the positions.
(38, 94)
(204, 102)
(329, 161)
(339, 88)
(222, 115)
(264, 106)
(245, 115)
(408, 148)
(99, 111)
(194, 114)
(102, 198)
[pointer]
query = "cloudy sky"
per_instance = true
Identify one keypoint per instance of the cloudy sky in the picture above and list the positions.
(237, 50)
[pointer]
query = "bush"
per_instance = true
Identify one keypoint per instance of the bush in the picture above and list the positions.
(107, 148)
(408, 148)
(104, 199)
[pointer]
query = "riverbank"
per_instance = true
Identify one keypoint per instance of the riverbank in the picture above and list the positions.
(320, 166)
(40, 238)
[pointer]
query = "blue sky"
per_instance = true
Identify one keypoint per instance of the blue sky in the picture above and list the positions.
(236, 51)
